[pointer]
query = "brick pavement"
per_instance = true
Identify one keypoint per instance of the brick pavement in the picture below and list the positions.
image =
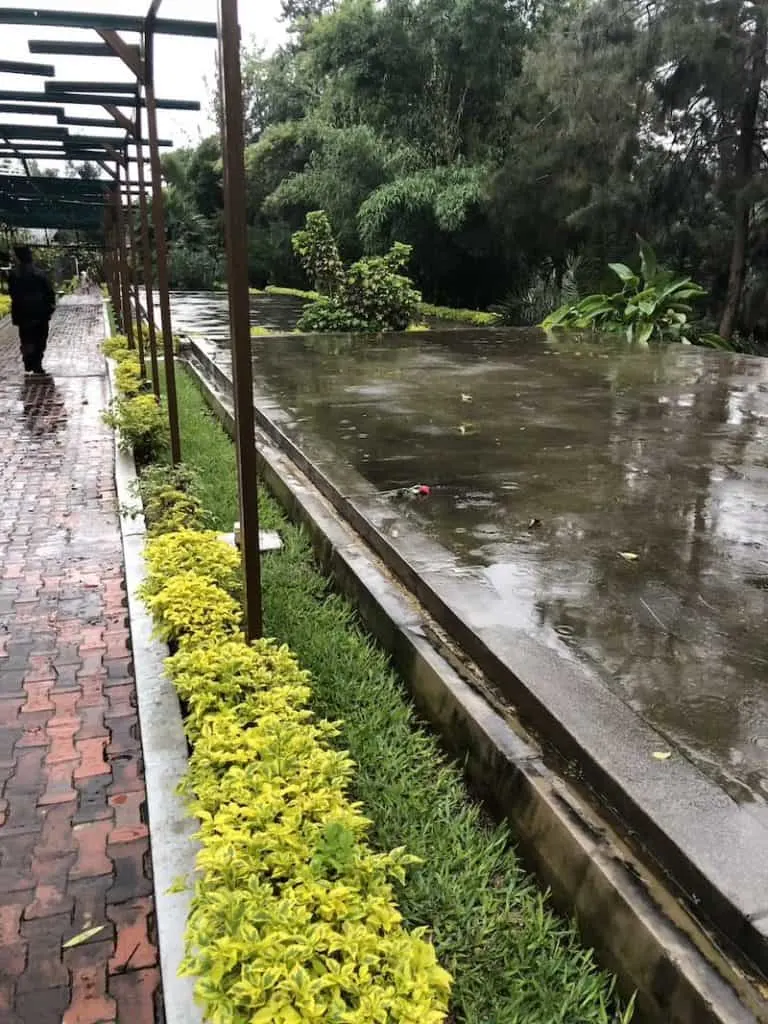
(74, 843)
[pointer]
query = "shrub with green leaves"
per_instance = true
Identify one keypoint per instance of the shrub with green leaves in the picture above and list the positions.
(371, 295)
(330, 316)
(654, 305)
(142, 424)
(170, 498)
(318, 254)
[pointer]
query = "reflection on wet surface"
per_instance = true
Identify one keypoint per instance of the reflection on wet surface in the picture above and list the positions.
(616, 501)
(42, 405)
(207, 313)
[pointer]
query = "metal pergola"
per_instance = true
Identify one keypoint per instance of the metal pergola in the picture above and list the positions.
(108, 203)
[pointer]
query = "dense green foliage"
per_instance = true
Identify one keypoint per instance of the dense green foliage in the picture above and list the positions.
(504, 140)
(511, 957)
(652, 305)
(371, 295)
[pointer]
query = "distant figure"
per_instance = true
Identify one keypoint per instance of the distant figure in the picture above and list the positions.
(33, 301)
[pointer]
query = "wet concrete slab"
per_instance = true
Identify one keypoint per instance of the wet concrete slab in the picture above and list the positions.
(207, 313)
(596, 528)
(615, 504)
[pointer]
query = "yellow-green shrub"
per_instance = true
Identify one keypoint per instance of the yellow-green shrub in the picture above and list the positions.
(5, 305)
(169, 499)
(293, 918)
(116, 346)
(190, 607)
(168, 510)
(192, 551)
(128, 376)
(235, 675)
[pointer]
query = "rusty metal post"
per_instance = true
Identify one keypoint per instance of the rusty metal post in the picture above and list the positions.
(158, 217)
(134, 269)
(122, 259)
(230, 90)
(113, 276)
(147, 261)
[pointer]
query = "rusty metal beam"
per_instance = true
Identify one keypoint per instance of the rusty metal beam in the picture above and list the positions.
(161, 248)
(146, 250)
(126, 53)
(122, 120)
(125, 292)
(134, 272)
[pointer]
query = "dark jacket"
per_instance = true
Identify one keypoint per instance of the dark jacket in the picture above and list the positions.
(33, 299)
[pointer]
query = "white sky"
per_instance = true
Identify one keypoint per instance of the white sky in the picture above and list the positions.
(184, 67)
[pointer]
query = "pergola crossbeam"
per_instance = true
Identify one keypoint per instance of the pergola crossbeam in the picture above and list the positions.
(86, 99)
(27, 67)
(56, 47)
(113, 22)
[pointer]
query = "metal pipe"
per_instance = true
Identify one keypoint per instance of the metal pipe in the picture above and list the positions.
(230, 92)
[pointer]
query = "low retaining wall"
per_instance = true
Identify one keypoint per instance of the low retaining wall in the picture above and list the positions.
(624, 910)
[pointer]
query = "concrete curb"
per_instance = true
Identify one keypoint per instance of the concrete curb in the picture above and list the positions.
(639, 930)
(164, 749)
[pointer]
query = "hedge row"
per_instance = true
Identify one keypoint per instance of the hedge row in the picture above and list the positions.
(293, 917)
(476, 317)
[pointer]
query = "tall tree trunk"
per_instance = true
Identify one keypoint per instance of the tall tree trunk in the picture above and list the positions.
(745, 165)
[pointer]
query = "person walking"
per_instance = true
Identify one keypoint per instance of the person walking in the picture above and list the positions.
(33, 301)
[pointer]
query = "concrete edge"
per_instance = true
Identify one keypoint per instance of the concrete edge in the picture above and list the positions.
(164, 746)
(638, 928)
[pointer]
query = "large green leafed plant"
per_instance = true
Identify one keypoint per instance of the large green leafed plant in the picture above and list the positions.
(653, 305)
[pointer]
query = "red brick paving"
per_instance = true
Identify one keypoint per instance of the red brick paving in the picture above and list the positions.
(74, 843)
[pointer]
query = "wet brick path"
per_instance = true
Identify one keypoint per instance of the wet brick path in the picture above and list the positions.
(74, 846)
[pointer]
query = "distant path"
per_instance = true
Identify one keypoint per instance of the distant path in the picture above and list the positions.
(74, 847)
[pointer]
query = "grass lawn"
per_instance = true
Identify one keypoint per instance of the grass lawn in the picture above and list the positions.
(514, 961)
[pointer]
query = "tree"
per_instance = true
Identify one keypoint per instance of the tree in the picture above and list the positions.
(508, 142)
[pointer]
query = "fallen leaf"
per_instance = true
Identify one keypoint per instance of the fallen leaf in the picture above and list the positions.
(78, 940)
(628, 556)
(465, 397)
(662, 755)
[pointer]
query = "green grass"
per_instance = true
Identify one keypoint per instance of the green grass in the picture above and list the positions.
(514, 961)
(464, 316)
